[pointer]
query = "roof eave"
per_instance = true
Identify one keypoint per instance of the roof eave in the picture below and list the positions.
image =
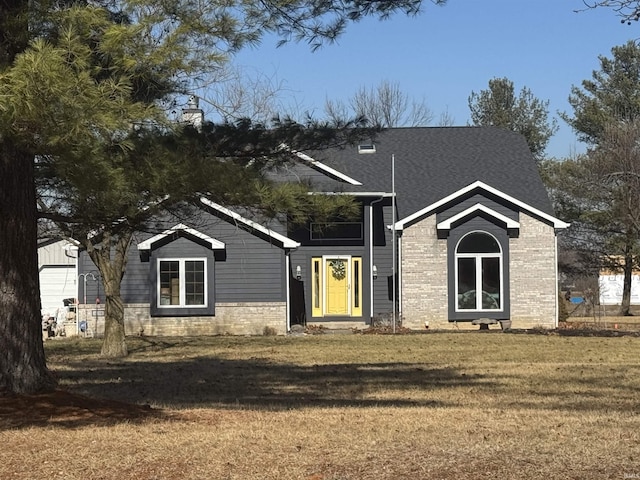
(284, 241)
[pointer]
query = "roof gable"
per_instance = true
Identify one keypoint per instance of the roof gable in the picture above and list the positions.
(476, 209)
(478, 185)
(182, 230)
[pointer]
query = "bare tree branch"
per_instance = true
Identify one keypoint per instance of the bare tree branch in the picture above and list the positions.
(627, 10)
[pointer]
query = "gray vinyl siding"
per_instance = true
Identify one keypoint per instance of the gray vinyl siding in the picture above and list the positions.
(382, 258)
(250, 269)
(253, 270)
(135, 284)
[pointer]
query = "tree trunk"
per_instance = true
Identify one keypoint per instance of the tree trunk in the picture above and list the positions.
(23, 367)
(111, 261)
(627, 268)
(114, 344)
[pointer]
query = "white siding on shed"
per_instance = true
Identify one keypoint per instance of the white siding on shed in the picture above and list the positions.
(57, 253)
(57, 266)
(56, 284)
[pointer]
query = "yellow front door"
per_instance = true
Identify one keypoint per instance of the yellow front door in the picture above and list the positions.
(337, 286)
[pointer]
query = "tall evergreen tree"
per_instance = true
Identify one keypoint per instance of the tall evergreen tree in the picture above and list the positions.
(600, 188)
(599, 194)
(612, 94)
(498, 106)
(77, 77)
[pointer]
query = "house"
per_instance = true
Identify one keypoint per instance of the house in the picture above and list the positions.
(462, 210)
(611, 286)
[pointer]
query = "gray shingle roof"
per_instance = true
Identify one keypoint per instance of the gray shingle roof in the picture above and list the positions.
(434, 162)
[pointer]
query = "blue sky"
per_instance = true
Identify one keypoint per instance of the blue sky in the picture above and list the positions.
(447, 52)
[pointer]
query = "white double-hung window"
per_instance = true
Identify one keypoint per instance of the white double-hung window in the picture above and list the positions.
(182, 282)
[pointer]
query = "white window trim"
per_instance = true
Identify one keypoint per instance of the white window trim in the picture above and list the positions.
(181, 265)
(478, 259)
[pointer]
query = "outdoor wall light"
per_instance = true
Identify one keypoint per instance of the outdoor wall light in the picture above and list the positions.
(298, 273)
(374, 272)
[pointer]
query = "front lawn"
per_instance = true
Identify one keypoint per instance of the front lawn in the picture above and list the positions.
(326, 407)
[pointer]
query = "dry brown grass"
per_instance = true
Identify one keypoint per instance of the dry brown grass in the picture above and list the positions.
(327, 407)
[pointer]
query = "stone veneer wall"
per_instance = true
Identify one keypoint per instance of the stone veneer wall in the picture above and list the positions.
(533, 294)
(534, 287)
(424, 277)
(230, 319)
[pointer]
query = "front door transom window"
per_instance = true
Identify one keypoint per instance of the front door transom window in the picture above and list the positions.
(478, 273)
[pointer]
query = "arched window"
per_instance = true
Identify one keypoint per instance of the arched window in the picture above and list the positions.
(478, 273)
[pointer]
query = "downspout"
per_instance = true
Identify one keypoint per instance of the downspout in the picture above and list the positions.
(287, 264)
(555, 264)
(399, 240)
(371, 257)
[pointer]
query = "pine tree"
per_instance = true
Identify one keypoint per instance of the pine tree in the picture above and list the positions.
(498, 106)
(76, 78)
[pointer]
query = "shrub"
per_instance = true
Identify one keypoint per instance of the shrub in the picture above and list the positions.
(269, 331)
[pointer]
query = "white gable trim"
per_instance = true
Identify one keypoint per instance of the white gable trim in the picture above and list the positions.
(355, 194)
(446, 224)
(557, 223)
(326, 169)
(286, 241)
(215, 244)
